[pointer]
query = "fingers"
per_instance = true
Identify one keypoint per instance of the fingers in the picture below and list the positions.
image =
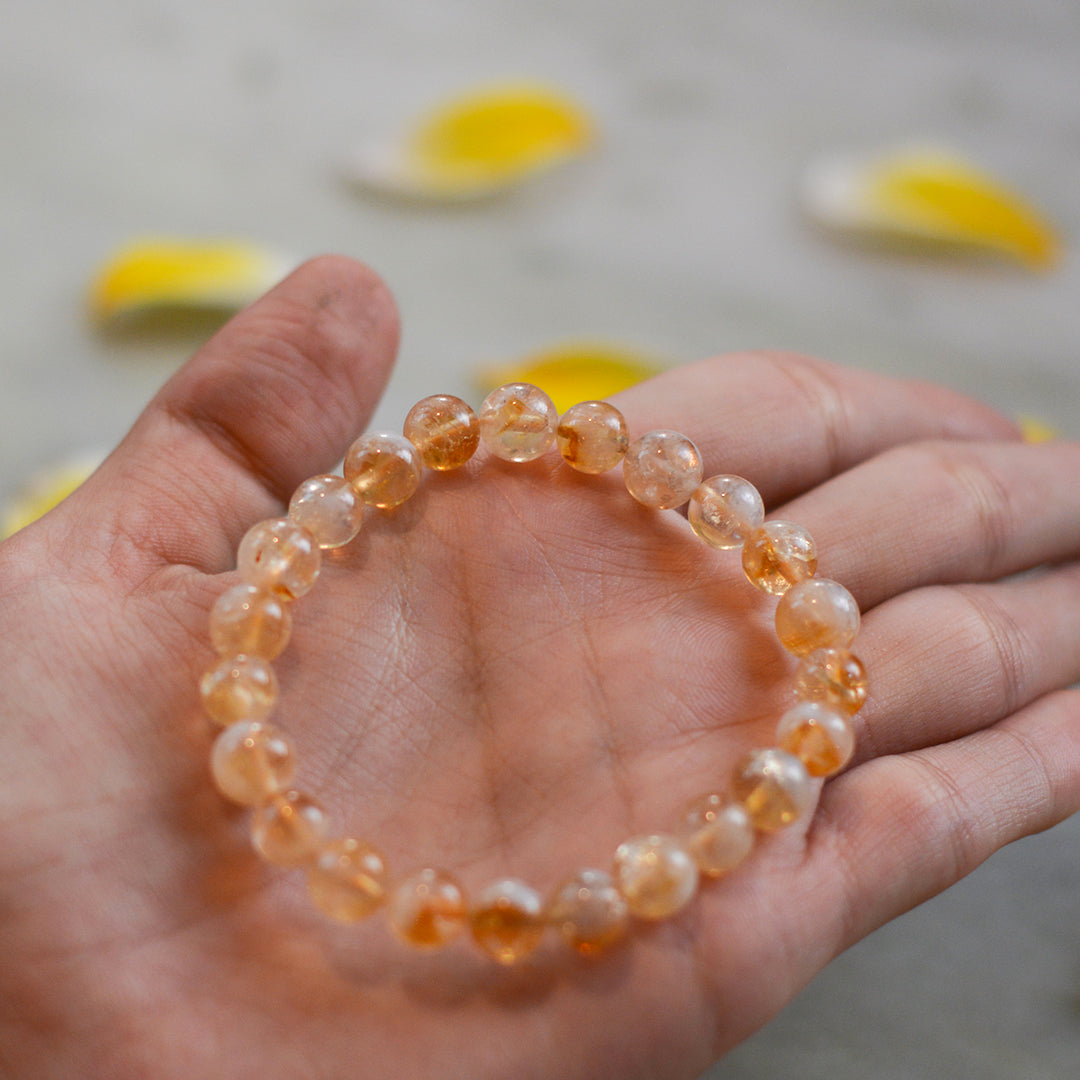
(273, 398)
(788, 423)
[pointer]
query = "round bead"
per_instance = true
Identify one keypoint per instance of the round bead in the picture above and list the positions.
(833, 676)
(279, 555)
(427, 909)
(817, 613)
(239, 688)
(383, 468)
(717, 833)
(445, 431)
(656, 874)
(508, 920)
(725, 510)
(249, 621)
(589, 911)
(662, 469)
(517, 422)
(820, 736)
(774, 787)
(347, 880)
(778, 555)
(251, 762)
(290, 829)
(329, 508)
(592, 436)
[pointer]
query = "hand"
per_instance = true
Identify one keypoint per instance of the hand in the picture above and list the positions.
(508, 675)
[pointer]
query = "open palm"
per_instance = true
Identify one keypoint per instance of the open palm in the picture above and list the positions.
(507, 676)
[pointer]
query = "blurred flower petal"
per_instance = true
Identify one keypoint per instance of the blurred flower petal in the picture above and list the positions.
(479, 144)
(929, 196)
(44, 490)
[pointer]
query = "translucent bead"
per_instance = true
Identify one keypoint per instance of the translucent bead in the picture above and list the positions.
(508, 920)
(834, 676)
(778, 555)
(589, 911)
(592, 436)
(816, 614)
(445, 431)
(239, 688)
(279, 555)
(725, 510)
(517, 422)
(717, 833)
(249, 621)
(251, 762)
(820, 736)
(290, 829)
(662, 469)
(347, 880)
(427, 909)
(383, 468)
(656, 874)
(774, 787)
(329, 508)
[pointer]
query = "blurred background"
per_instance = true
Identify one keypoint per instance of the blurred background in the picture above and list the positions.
(681, 230)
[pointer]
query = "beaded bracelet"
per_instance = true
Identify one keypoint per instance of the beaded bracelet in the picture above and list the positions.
(653, 876)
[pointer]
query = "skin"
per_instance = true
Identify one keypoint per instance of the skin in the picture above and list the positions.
(508, 675)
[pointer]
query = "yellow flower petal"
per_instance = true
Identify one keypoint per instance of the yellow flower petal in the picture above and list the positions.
(480, 143)
(44, 490)
(156, 273)
(1036, 430)
(929, 196)
(576, 371)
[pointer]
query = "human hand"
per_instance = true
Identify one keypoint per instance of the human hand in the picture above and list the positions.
(508, 675)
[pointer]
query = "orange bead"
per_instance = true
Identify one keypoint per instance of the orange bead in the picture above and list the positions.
(717, 833)
(289, 830)
(774, 787)
(820, 736)
(427, 909)
(814, 614)
(239, 688)
(589, 912)
(329, 508)
(445, 431)
(508, 920)
(383, 468)
(778, 555)
(592, 436)
(662, 469)
(834, 676)
(249, 621)
(279, 555)
(347, 880)
(725, 510)
(656, 875)
(517, 422)
(251, 762)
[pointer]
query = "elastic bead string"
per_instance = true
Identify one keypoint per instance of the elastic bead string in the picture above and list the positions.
(651, 876)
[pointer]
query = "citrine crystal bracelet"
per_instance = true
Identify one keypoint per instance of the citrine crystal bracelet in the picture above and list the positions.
(652, 876)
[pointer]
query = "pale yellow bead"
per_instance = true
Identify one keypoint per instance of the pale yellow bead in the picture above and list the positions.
(445, 431)
(717, 832)
(279, 555)
(592, 436)
(383, 468)
(656, 875)
(725, 510)
(427, 909)
(821, 737)
(251, 762)
(329, 508)
(778, 555)
(239, 688)
(347, 880)
(589, 912)
(290, 829)
(249, 621)
(662, 469)
(834, 676)
(508, 920)
(517, 422)
(814, 614)
(774, 787)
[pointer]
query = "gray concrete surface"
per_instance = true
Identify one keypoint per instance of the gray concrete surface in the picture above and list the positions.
(120, 118)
